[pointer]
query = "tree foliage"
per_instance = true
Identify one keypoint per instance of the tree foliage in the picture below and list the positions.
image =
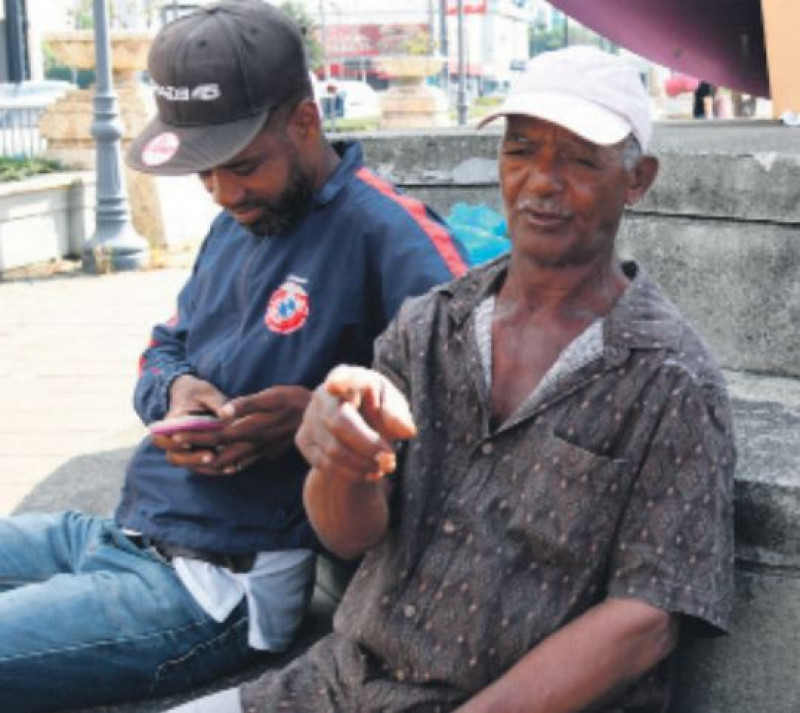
(300, 15)
(544, 39)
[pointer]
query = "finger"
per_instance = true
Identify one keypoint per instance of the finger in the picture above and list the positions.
(191, 459)
(395, 414)
(198, 439)
(257, 427)
(334, 433)
(383, 405)
(235, 453)
(165, 443)
(343, 463)
(246, 405)
(215, 472)
(211, 398)
(281, 399)
(341, 438)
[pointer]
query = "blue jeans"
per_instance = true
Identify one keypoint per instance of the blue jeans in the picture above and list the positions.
(87, 618)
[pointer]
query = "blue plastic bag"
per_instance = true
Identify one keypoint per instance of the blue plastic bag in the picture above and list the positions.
(481, 230)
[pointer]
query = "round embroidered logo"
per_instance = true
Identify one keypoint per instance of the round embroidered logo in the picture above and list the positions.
(160, 149)
(288, 308)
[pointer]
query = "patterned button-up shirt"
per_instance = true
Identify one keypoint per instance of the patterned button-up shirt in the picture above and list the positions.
(614, 480)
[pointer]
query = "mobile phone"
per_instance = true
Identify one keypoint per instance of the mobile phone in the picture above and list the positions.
(191, 422)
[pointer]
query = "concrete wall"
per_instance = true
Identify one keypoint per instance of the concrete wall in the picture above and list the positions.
(722, 222)
(720, 231)
(45, 217)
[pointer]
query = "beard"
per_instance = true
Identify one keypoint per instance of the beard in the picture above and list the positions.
(278, 215)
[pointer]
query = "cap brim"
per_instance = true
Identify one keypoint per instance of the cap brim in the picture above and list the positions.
(168, 150)
(586, 119)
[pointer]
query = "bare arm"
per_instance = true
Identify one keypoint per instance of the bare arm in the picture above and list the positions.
(346, 436)
(596, 655)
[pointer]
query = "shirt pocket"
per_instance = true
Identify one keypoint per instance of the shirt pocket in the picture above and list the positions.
(569, 502)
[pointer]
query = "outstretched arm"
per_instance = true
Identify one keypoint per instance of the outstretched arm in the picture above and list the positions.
(608, 647)
(346, 436)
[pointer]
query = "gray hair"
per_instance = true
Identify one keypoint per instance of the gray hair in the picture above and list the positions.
(631, 152)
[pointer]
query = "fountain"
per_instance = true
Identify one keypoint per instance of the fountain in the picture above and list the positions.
(67, 123)
(409, 101)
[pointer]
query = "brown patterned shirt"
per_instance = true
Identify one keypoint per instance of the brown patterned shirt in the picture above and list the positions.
(615, 480)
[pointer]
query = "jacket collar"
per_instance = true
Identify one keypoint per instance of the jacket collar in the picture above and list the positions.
(352, 159)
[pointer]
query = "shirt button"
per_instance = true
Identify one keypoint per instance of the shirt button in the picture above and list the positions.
(409, 610)
(487, 449)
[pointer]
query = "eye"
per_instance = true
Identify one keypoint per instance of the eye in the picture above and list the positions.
(583, 161)
(244, 169)
(517, 150)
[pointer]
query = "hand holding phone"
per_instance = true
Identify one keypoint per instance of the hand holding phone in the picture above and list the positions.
(190, 422)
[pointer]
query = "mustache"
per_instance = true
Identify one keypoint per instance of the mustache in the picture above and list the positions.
(550, 207)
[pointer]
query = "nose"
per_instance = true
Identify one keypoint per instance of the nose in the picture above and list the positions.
(224, 188)
(544, 175)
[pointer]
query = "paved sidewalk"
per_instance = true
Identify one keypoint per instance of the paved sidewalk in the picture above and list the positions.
(69, 348)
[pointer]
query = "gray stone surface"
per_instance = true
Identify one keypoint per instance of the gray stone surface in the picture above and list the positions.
(767, 421)
(754, 670)
(90, 483)
(737, 283)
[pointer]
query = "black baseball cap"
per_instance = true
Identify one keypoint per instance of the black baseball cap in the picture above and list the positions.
(217, 73)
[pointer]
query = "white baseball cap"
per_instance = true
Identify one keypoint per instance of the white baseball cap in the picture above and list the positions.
(592, 93)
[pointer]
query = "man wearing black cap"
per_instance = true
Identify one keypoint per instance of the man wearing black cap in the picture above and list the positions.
(209, 556)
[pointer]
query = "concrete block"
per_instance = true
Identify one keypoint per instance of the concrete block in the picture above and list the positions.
(737, 283)
(38, 216)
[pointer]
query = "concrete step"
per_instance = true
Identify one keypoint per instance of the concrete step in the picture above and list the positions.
(755, 668)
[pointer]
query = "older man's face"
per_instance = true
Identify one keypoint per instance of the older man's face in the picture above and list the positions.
(564, 196)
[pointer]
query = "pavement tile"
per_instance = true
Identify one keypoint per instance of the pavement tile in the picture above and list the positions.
(69, 347)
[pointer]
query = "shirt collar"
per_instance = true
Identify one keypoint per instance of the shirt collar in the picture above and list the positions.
(352, 159)
(642, 318)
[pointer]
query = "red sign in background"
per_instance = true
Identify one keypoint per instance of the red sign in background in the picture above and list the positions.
(342, 41)
(471, 7)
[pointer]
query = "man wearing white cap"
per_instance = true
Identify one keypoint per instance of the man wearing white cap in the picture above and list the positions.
(561, 501)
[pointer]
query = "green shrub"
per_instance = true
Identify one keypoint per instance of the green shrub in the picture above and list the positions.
(15, 169)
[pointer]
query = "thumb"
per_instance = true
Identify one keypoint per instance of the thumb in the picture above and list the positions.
(241, 406)
(211, 399)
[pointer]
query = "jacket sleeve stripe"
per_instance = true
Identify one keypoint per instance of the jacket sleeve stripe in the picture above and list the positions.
(438, 235)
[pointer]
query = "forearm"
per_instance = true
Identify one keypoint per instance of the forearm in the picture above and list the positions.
(608, 647)
(348, 517)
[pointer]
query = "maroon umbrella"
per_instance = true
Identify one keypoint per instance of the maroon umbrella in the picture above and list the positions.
(721, 41)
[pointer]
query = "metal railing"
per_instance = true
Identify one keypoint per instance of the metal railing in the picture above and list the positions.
(19, 131)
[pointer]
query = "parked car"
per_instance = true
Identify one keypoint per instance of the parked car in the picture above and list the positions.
(347, 99)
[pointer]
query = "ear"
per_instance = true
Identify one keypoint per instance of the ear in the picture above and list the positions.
(305, 122)
(642, 177)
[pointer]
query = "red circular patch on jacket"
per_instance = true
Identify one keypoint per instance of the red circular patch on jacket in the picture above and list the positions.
(288, 308)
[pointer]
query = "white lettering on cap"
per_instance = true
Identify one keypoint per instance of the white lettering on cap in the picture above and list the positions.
(202, 92)
(160, 149)
(206, 92)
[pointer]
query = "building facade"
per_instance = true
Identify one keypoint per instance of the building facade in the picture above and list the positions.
(354, 33)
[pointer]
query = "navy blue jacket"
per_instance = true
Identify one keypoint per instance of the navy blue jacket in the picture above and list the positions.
(259, 312)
